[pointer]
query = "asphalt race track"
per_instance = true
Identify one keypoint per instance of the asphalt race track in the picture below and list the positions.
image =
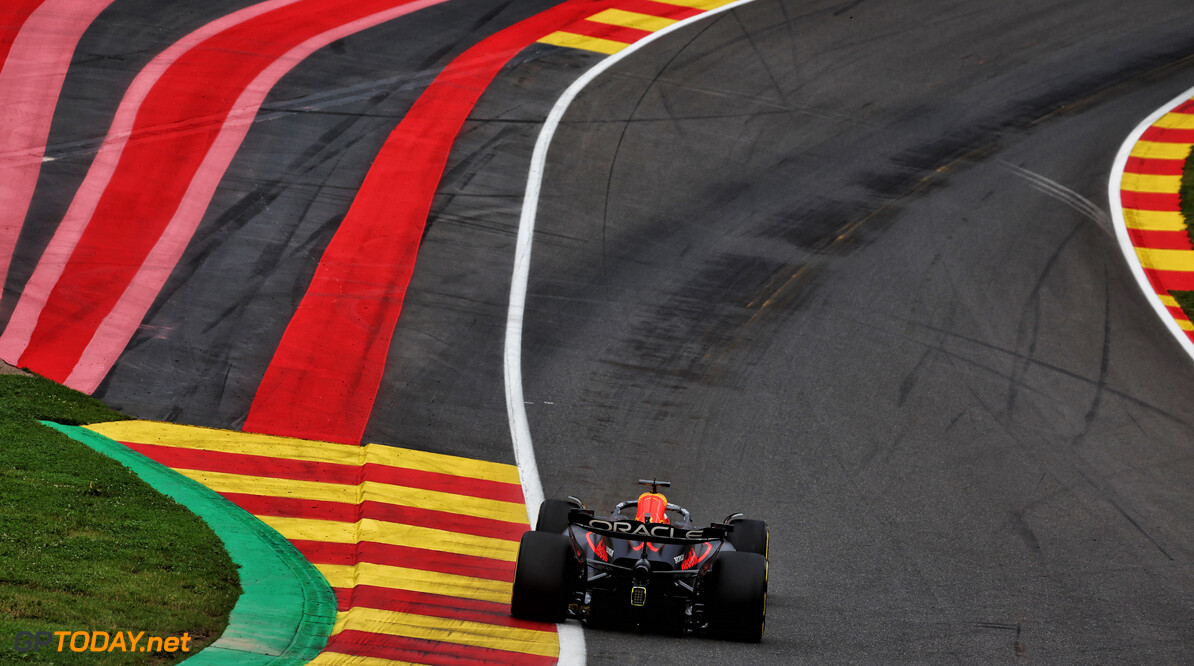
(844, 266)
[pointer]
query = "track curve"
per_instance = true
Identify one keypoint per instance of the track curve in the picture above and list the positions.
(844, 266)
(850, 269)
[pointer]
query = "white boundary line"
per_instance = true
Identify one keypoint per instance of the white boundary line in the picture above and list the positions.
(572, 639)
(1121, 227)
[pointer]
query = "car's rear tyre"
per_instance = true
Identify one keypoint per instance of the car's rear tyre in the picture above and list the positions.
(736, 597)
(750, 536)
(553, 516)
(543, 577)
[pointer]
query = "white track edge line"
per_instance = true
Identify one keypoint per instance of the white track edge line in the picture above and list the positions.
(1121, 226)
(572, 640)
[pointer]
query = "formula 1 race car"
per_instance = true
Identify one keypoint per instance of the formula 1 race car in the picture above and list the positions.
(649, 572)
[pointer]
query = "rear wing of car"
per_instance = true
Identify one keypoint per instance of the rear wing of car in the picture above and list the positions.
(637, 531)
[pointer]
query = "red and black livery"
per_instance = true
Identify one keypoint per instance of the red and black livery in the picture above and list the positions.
(656, 571)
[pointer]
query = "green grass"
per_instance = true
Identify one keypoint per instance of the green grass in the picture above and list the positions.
(1187, 194)
(1186, 298)
(85, 545)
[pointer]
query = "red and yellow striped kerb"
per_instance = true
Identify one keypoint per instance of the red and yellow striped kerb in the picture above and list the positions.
(419, 547)
(615, 28)
(1149, 195)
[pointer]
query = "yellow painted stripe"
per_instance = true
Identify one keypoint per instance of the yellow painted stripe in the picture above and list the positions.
(1137, 182)
(415, 580)
(698, 4)
(1184, 324)
(632, 20)
(462, 632)
(327, 658)
(1168, 301)
(398, 534)
(1154, 220)
(228, 441)
(574, 41)
(444, 464)
(320, 491)
(1166, 260)
(1161, 151)
(1176, 121)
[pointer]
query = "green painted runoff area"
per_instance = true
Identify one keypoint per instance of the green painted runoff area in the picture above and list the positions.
(287, 610)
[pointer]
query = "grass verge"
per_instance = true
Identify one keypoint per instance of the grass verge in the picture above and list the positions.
(85, 545)
(1186, 298)
(1186, 195)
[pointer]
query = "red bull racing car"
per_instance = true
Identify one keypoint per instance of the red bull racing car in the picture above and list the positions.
(656, 570)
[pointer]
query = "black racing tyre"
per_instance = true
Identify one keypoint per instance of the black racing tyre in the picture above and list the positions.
(750, 536)
(543, 577)
(553, 516)
(736, 596)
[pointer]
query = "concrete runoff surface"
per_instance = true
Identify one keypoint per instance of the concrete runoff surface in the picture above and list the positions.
(843, 266)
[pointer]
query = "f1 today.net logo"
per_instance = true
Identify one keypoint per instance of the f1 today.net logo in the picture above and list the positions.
(99, 641)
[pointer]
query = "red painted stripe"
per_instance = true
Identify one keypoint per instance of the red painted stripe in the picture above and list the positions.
(676, 12)
(1177, 313)
(249, 465)
(290, 507)
(37, 40)
(175, 127)
(305, 470)
(1162, 201)
(13, 14)
(614, 33)
(1168, 135)
(1169, 280)
(1152, 167)
(1160, 240)
(324, 377)
(447, 483)
(433, 653)
(423, 559)
(1185, 107)
(434, 605)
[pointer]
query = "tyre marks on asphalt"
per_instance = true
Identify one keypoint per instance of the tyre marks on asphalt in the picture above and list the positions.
(1149, 196)
(418, 547)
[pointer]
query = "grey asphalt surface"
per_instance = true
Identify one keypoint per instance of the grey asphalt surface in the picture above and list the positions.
(845, 266)
(849, 268)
